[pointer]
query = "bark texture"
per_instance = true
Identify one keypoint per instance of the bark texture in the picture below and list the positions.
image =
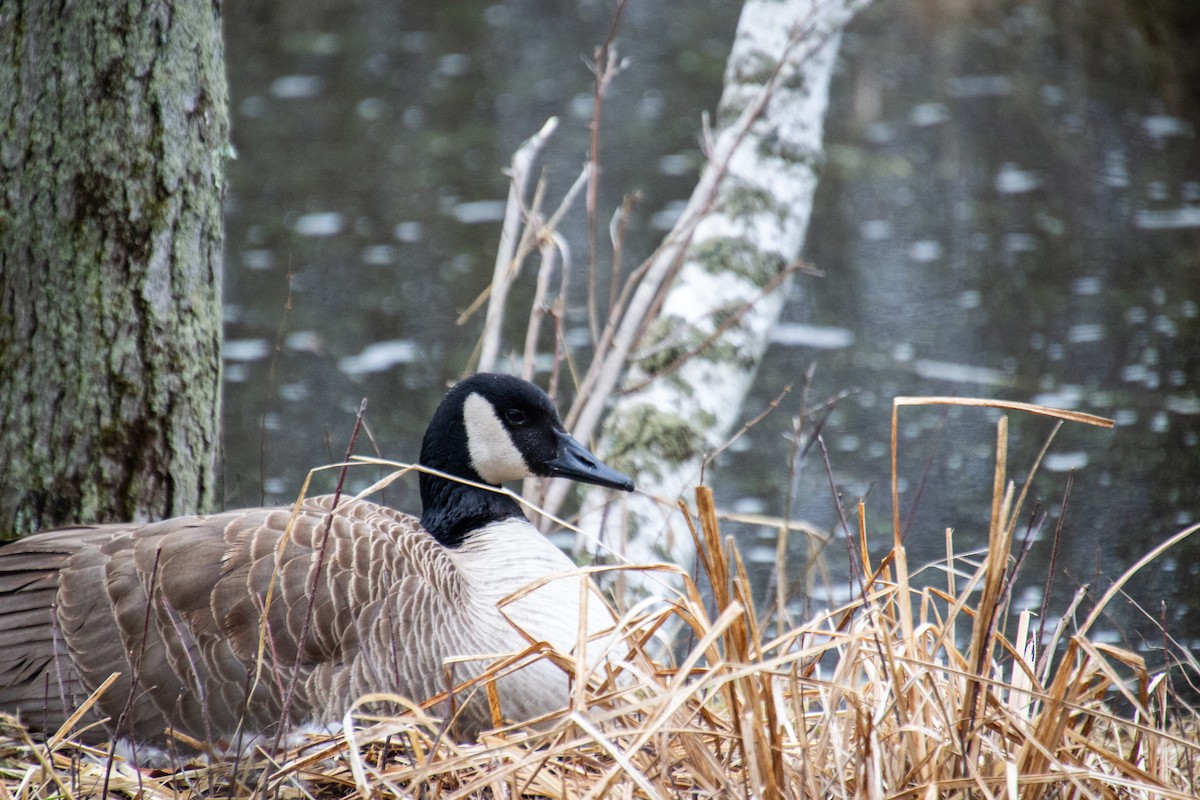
(697, 359)
(112, 151)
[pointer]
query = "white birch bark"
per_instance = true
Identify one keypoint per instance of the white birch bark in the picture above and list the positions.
(736, 256)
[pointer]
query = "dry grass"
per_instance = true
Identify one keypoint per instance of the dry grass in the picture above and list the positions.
(905, 692)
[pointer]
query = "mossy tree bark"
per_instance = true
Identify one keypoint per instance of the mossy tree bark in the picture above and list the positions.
(112, 155)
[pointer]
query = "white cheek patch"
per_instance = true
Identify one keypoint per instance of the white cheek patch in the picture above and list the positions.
(493, 454)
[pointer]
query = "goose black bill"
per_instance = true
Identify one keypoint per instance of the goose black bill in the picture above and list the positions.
(576, 462)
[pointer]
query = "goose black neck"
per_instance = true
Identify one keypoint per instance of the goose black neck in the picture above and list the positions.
(453, 511)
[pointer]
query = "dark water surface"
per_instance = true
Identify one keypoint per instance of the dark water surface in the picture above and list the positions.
(1010, 208)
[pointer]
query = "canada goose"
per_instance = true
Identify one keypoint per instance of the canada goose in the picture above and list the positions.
(396, 596)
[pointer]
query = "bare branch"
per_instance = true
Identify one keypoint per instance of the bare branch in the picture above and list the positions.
(507, 264)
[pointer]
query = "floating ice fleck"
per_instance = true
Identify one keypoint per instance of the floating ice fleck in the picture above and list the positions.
(1030, 598)
(1183, 404)
(666, 218)
(1067, 397)
(245, 349)
(378, 255)
(1063, 462)
(1088, 285)
(454, 65)
(962, 373)
(651, 106)
(1053, 95)
(1013, 180)
(380, 356)
(1169, 219)
(879, 133)
(498, 15)
(793, 334)
(969, 299)
(253, 106)
(412, 118)
(317, 43)
(749, 505)
(477, 211)
(582, 105)
(1124, 417)
(369, 108)
(409, 232)
(304, 342)
(1088, 332)
(297, 87)
(874, 230)
(321, 223)
(578, 337)
(925, 251)
(1116, 173)
(1165, 325)
(1161, 126)
(927, 114)
(1020, 243)
(258, 258)
(1134, 373)
(675, 164)
(762, 554)
(295, 391)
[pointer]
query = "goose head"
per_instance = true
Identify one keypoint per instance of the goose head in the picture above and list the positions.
(493, 428)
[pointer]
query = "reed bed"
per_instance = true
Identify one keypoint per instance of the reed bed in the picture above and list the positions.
(905, 692)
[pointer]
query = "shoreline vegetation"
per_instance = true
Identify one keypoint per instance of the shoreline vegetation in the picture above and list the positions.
(903, 692)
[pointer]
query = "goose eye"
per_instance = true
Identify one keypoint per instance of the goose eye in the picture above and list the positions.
(515, 416)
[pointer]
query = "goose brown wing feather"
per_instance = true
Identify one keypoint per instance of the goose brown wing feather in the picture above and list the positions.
(30, 629)
(177, 607)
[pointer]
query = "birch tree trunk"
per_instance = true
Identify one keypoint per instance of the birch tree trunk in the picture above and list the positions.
(112, 172)
(698, 357)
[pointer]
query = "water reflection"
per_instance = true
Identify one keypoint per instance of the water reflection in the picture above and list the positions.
(1011, 207)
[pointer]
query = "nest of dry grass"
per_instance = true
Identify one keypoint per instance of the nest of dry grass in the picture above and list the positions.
(904, 692)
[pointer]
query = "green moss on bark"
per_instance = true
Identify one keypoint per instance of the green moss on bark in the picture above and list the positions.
(741, 200)
(646, 440)
(723, 256)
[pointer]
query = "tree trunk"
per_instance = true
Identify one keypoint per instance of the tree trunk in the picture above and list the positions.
(112, 159)
(695, 363)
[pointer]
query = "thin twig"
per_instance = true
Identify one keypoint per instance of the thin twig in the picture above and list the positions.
(507, 263)
(1048, 588)
(605, 68)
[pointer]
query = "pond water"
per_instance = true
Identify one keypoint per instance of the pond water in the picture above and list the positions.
(1010, 208)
